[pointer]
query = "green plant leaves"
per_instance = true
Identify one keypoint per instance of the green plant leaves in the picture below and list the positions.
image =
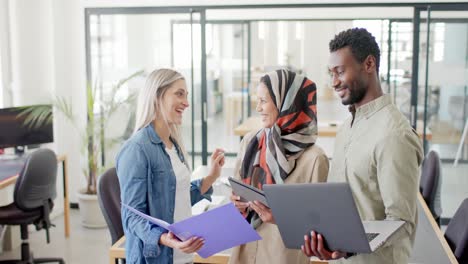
(36, 116)
(93, 136)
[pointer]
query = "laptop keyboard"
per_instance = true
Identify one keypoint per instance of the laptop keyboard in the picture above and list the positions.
(371, 236)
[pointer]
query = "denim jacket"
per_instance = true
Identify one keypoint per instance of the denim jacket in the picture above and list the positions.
(148, 184)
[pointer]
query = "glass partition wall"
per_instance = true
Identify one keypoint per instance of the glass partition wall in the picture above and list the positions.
(227, 81)
(301, 45)
(224, 51)
(443, 98)
(132, 40)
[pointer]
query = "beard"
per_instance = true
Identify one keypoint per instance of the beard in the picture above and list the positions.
(356, 93)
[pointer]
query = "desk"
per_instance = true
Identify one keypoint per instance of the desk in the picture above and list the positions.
(430, 245)
(117, 251)
(325, 129)
(9, 180)
(233, 107)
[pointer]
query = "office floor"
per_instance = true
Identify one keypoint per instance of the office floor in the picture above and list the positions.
(83, 246)
(454, 188)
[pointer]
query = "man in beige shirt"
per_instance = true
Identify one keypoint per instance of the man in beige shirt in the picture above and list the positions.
(376, 151)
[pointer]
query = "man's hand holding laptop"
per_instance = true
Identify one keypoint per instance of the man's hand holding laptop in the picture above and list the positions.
(314, 246)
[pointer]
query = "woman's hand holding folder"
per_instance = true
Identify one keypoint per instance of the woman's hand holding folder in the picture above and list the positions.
(188, 246)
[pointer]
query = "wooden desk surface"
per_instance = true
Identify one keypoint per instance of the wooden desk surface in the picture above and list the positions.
(8, 181)
(430, 245)
(325, 129)
(66, 207)
(117, 251)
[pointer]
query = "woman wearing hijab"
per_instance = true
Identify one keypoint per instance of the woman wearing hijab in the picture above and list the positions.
(282, 152)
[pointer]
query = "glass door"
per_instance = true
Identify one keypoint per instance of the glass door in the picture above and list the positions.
(399, 59)
(123, 47)
(228, 84)
(443, 98)
(293, 38)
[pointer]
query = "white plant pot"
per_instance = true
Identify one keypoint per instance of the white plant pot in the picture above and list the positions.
(91, 215)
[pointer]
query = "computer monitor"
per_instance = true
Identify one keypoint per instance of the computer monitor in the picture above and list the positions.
(15, 130)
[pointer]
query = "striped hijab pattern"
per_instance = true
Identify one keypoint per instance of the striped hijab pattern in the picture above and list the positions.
(271, 155)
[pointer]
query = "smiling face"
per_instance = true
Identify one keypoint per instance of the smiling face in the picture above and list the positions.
(266, 107)
(348, 76)
(174, 102)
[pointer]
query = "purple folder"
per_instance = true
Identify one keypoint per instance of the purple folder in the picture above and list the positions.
(222, 228)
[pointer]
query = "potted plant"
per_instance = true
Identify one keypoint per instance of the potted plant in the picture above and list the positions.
(93, 138)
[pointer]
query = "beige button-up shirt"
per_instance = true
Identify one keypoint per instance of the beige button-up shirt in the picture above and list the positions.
(311, 166)
(379, 155)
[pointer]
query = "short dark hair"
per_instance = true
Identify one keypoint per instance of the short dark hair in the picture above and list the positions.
(361, 43)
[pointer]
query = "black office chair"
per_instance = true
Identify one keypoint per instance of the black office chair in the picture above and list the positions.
(34, 192)
(430, 177)
(109, 201)
(457, 233)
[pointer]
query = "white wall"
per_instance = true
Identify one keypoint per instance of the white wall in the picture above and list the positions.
(70, 82)
(46, 43)
(5, 73)
(451, 73)
(32, 51)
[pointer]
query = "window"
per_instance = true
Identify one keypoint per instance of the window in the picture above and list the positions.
(439, 38)
(108, 40)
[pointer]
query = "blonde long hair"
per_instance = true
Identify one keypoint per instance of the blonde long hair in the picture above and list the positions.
(150, 102)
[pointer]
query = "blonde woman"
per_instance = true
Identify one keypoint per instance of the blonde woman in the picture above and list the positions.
(155, 177)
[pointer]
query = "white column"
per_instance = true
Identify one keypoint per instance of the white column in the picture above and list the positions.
(5, 72)
(32, 53)
(70, 82)
(48, 58)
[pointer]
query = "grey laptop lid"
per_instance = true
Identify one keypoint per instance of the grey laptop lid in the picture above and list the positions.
(327, 208)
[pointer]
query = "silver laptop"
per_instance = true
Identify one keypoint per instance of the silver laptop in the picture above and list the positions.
(328, 209)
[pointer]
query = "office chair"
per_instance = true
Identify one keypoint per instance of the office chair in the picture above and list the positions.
(109, 201)
(33, 194)
(429, 183)
(456, 233)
